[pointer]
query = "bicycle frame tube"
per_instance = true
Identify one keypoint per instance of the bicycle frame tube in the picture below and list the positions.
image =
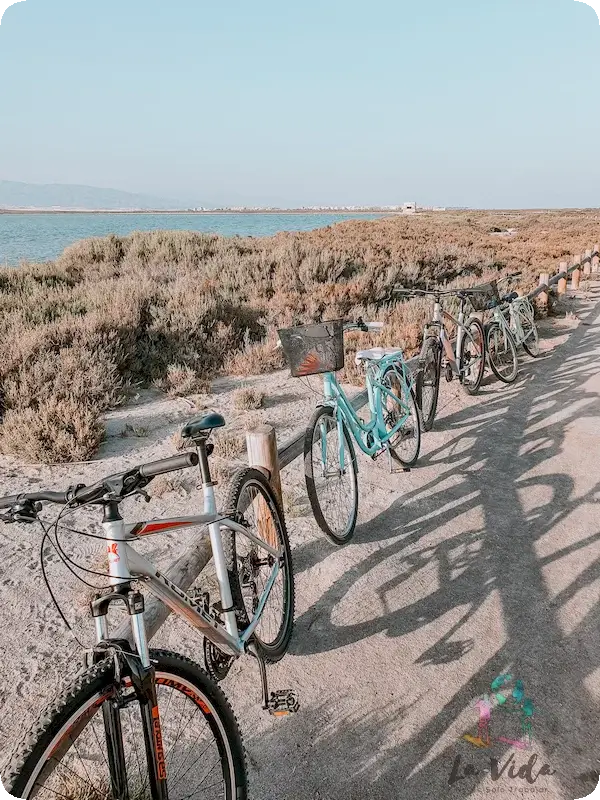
(345, 413)
(126, 564)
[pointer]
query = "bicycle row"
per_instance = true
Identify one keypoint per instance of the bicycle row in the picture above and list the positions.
(400, 404)
(143, 723)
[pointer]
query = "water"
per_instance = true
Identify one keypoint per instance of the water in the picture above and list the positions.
(42, 237)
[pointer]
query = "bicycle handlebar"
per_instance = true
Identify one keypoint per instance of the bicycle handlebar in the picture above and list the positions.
(170, 464)
(51, 497)
(121, 484)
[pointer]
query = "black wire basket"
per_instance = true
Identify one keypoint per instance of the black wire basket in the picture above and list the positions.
(480, 296)
(314, 349)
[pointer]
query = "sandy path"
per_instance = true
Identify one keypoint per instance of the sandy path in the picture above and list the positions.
(484, 559)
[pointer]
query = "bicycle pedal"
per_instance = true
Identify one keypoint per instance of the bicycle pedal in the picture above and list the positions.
(283, 703)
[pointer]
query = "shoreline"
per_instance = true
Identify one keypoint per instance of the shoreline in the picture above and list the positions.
(225, 212)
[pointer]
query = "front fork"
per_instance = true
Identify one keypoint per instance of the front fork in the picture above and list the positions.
(135, 665)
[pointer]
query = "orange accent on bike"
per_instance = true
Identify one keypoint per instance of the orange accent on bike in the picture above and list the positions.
(154, 527)
(158, 745)
(309, 365)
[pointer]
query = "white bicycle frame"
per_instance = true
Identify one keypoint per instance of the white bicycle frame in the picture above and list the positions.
(520, 308)
(126, 564)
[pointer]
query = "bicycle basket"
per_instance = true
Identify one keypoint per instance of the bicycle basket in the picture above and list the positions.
(313, 349)
(480, 296)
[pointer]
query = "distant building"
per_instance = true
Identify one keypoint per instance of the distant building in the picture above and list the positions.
(409, 208)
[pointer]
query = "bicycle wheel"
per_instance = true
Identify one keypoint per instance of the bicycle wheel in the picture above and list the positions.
(471, 360)
(250, 567)
(332, 490)
(66, 756)
(531, 339)
(428, 380)
(502, 353)
(405, 444)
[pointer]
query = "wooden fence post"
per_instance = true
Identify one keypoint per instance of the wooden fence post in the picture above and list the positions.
(587, 267)
(543, 296)
(596, 258)
(261, 443)
(576, 274)
(562, 284)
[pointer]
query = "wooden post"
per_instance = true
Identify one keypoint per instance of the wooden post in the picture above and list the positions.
(587, 267)
(261, 443)
(596, 258)
(562, 284)
(543, 296)
(576, 274)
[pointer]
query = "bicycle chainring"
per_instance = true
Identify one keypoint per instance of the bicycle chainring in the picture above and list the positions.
(217, 662)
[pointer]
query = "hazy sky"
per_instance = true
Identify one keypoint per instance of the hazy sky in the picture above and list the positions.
(479, 103)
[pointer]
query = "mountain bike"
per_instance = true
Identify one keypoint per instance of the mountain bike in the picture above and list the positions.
(464, 359)
(521, 314)
(139, 723)
(330, 465)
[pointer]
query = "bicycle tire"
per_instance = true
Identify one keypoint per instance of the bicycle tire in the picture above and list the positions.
(471, 323)
(491, 329)
(35, 755)
(347, 532)
(416, 416)
(431, 365)
(243, 479)
(535, 350)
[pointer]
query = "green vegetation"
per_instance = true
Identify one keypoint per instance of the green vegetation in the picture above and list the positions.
(174, 309)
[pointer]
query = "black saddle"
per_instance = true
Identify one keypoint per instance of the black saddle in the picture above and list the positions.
(201, 426)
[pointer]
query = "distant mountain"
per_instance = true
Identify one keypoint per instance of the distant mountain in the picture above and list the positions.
(71, 196)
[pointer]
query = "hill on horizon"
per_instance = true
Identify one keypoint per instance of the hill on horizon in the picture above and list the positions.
(14, 194)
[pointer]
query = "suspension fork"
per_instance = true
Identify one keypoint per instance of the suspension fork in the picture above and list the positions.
(138, 666)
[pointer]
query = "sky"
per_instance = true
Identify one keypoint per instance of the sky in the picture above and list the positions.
(480, 103)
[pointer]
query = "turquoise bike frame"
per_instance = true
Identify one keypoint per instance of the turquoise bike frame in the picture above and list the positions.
(371, 436)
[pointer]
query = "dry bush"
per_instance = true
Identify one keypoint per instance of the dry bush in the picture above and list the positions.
(177, 308)
(255, 359)
(58, 431)
(248, 398)
(182, 381)
(229, 446)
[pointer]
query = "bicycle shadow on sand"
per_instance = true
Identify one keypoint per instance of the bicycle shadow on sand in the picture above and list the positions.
(498, 526)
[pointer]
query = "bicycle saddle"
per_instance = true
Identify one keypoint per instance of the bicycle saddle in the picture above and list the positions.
(202, 424)
(376, 354)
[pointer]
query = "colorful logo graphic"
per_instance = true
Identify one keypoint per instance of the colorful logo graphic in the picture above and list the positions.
(511, 711)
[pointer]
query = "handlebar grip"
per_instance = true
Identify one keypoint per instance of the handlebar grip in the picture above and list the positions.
(62, 498)
(171, 464)
(374, 326)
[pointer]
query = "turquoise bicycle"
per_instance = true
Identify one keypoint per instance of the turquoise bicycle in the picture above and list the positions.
(393, 426)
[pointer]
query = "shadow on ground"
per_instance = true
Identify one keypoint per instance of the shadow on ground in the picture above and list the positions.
(499, 463)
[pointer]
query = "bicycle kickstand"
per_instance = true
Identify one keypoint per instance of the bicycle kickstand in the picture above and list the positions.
(392, 463)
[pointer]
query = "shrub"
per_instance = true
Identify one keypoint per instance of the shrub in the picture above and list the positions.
(177, 308)
(248, 398)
